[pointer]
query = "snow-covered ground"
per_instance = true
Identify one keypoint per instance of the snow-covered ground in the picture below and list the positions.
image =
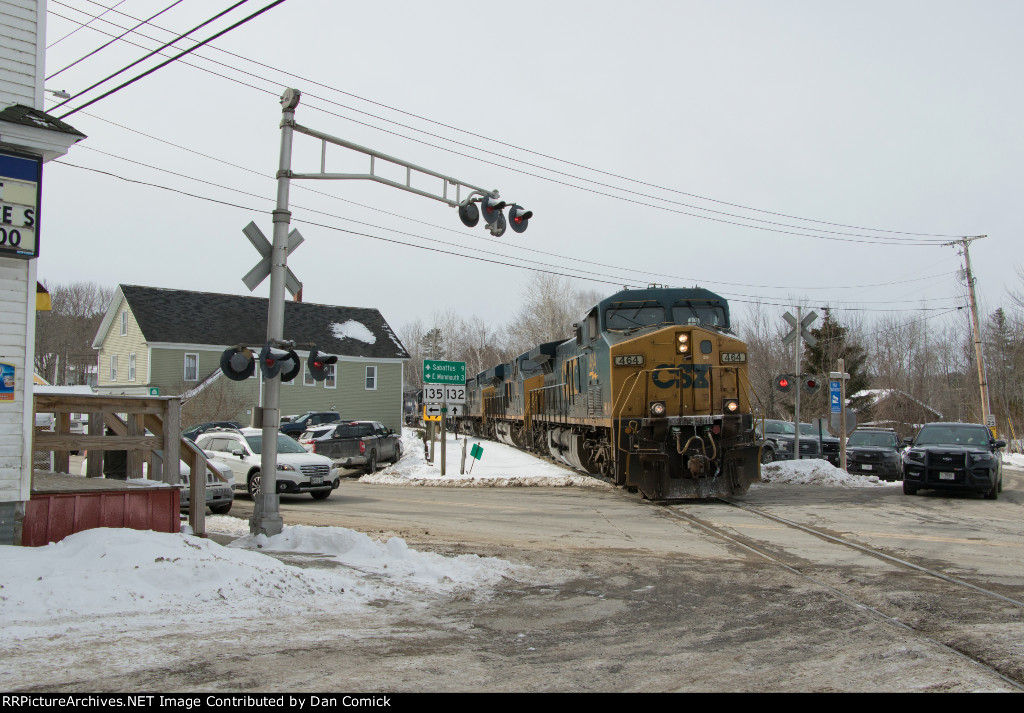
(67, 588)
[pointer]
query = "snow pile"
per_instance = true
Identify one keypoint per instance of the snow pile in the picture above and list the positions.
(814, 471)
(174, 577)
(353, 330)
(1014, 459)
(500, 466)
(392, 558)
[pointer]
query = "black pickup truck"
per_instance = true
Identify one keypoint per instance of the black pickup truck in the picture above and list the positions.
(355, 444)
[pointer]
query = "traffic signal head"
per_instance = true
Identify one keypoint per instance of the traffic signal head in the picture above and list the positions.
(238, 363)
(519, 218)
(495, 219)
(469, 214)
(274, 362)
(811, 384)
(318, 364)
(784, 382)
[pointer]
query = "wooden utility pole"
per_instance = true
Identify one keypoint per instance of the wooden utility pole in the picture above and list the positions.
(979, 355)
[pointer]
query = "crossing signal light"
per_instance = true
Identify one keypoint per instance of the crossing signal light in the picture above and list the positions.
(278, 362)
(811, 384)
(784, 382)
(469, 214)
(318, 364)
(238, 363)
(519, 218)
(495, 219)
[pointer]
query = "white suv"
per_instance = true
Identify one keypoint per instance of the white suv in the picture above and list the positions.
(297, 471)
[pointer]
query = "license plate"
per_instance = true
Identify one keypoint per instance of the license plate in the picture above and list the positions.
(866, 467)
(947, 476)
(316, 480)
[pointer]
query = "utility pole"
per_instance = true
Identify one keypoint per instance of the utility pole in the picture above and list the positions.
(979, 356)
(796, 402)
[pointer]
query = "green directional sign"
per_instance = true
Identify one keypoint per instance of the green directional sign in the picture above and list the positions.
(444, 372)
(476, 451)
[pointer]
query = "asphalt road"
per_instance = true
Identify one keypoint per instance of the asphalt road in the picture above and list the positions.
(703, 596)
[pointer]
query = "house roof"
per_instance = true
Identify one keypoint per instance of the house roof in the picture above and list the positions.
(875, 396)
(27, 116)
(209, 318)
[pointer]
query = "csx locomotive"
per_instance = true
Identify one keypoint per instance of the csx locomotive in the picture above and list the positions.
(652, 391)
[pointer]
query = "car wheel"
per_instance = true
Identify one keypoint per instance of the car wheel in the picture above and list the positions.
(220, 509)
(254, 484)
(371, 465)
(993, 494)
(320, 494)
(767, 456)
(909, 489)
(398, 452)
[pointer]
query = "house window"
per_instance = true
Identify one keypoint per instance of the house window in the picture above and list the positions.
(124, 323)
(113, 367)
(330, 382)
(131, 367)
(191, 367)
(307, 377)
(371, 378)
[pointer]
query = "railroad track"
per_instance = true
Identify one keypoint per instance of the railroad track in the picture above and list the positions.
(761, 550)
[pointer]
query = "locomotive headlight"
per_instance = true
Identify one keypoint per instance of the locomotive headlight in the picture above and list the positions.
(730, 406)
(683, 343)
(657, 408)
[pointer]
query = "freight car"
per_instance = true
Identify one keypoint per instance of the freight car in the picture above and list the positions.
(652, 392)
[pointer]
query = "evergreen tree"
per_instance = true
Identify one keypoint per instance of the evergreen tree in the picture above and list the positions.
(834, 342)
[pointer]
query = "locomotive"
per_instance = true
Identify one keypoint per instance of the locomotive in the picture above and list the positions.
(652, 391)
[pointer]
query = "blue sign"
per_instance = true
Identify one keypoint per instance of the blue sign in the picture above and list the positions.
(835, 398)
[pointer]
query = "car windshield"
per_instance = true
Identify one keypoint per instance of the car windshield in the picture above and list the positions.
(631, 315)
(689, 312)
(809, 429)
(285, 444)
(868, 438)
(953, 436)
(783, 427)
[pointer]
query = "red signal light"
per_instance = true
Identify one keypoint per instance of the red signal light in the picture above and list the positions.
(783, 383)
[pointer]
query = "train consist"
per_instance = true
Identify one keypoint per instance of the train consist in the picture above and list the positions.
(652, 391)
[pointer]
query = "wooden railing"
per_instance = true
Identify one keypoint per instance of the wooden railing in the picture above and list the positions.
(150, 433)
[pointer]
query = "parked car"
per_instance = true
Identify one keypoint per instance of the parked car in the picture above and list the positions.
(360, 444)
(316, 433)
(960, 457)
(297, 470)
(303, 423)
(198, 430)
(219, 493)
(875, 451)
(777, 438)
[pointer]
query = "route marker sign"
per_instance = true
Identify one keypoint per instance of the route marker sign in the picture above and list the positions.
(436, 371)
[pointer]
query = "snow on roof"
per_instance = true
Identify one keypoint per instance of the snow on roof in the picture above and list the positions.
(62, 390)
(353, 330)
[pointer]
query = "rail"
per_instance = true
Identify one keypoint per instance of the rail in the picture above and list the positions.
(150, 433)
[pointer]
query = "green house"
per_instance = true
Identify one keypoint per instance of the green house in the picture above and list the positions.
(169, 342)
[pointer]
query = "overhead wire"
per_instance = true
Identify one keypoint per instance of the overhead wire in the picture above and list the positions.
(833, 234)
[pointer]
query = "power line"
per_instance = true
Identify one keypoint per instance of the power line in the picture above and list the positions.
(443, 251)
(80, 25)
(112, 41)
(869, 239)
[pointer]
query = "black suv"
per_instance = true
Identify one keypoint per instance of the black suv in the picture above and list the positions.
(307, 420)
(778, 437)
(875, 451)
(954, 456)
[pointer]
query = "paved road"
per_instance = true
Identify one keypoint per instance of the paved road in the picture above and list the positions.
(632, 597)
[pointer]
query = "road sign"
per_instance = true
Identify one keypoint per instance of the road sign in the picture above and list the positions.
(834, 396)
(21, 181)
(154, 390)
(804, 323)
(259, 273)
(444, 372)
(444, 393)
(476, 451)
(431, 412)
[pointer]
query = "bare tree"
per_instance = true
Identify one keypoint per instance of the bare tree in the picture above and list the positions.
(64, 353)
(551, 305)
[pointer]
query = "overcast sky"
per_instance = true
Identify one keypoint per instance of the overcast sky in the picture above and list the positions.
(671, 142)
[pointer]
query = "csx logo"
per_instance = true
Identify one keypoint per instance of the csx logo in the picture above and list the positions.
(682, 375)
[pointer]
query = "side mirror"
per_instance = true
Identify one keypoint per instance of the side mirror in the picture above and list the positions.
(1000, 444)
(908, 441)
(238, 452)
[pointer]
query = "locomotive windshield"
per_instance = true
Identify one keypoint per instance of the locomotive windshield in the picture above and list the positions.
(688, 312)
(632, 315)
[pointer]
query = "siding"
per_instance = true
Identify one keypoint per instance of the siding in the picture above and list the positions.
(122, 346)
(14, 279)
(20, 39)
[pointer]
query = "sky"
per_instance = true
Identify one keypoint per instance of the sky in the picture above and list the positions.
(55, 599)
(790, 153)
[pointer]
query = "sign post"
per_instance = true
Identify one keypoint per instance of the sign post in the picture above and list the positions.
(837, 396)
(444, 382)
